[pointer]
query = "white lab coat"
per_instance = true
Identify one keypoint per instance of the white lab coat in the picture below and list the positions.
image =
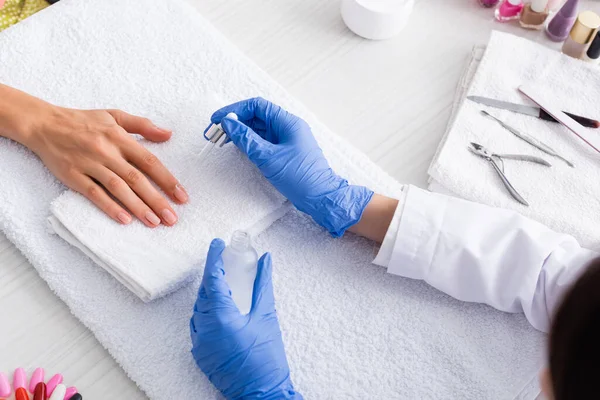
(482, 254)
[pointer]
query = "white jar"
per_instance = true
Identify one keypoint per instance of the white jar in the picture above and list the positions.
(376, 19)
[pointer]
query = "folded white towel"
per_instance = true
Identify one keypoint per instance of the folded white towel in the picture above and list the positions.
(564, 198)
(351, 330)
(226, 193)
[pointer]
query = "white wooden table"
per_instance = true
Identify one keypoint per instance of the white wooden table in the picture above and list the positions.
(391, 99)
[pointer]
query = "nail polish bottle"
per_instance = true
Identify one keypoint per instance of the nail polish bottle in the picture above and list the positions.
(593, 53)
(489, 3)
(534, 14)
(509, 10)
(554, 5)
(558, 29)
(581, 35)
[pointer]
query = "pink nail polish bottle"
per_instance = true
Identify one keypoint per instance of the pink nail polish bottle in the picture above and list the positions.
(509, 10)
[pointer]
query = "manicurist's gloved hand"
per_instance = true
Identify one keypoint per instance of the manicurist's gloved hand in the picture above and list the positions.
(284, 149)
(242, 355)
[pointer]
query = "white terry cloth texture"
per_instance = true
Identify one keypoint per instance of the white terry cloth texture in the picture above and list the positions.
(226, 193)
(565, 199)
(351, 330)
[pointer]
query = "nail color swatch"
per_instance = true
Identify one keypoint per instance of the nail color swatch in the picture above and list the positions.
(59, 392)
(70, 392)
(5, 389)
(53, 390)
(36, 377)
(51, 385)
(39, 392)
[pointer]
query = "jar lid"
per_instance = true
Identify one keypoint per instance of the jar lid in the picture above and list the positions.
(376, 19)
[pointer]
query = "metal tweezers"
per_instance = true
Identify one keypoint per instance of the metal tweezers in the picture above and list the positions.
(538, 144)
(482, 152)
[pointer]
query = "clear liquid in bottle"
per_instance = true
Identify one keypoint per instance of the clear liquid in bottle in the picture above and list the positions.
(239, 263)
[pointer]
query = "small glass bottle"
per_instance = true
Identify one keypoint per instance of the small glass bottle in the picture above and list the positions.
(581, 35)
(489, 3)
(239, 263)
(534, 15)
(509, 10)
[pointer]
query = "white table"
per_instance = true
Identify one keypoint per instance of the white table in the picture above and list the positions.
(391, 99)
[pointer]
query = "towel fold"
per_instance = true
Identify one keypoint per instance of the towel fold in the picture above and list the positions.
(351, 330)
(563, 198)
(226, 193)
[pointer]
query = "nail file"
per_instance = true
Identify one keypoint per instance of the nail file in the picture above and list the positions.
(560, 116)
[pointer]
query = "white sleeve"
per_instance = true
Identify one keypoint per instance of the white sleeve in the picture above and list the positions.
(482, 254)
(384, 255)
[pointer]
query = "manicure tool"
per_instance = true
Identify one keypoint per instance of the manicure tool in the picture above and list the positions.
(529, 139)
(560, 116)
(533, 111)
(484, 153)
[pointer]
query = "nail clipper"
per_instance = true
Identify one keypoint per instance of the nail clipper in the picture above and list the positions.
(482, 152)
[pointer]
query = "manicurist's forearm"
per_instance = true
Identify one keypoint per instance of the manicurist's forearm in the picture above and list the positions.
(19, 113)
(376, 218)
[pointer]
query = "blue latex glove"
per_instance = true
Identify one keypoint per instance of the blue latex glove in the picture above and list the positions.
(282, 146)
(242, 355)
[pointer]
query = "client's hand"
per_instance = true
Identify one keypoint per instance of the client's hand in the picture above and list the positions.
(283, 148)
(92, 150)
(89, 150)
(242, 355)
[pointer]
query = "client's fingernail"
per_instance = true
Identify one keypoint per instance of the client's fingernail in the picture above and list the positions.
(168, 216)
(164, 130)
(180, 194)
(152, 218)
(124, 217)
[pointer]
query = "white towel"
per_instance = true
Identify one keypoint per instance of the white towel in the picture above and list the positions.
(226, 193)
(351, 330)
(566, 199)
